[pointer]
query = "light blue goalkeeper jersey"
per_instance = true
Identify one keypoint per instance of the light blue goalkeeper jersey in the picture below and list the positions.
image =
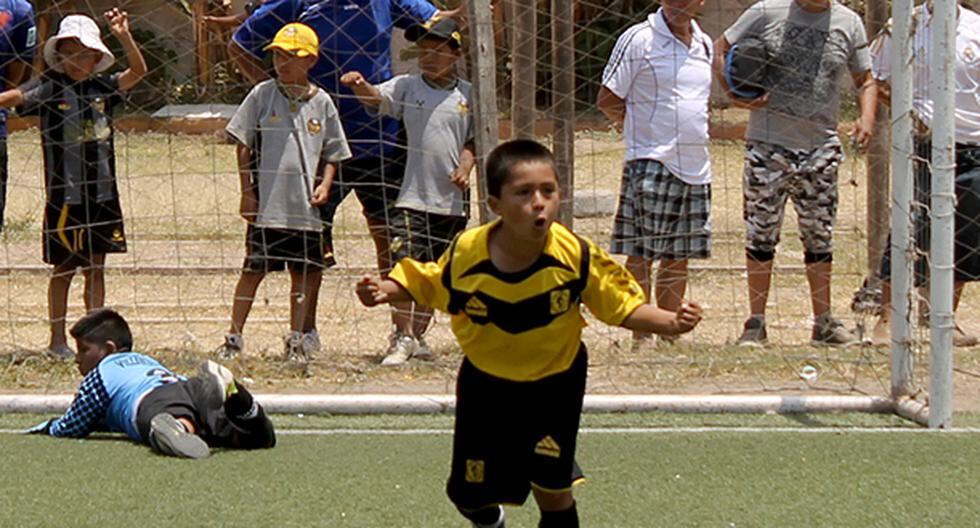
(110, 394)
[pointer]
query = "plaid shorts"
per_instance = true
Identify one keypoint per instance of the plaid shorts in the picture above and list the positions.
(661, 216)
(773, 174)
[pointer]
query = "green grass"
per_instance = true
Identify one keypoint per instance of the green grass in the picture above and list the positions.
(719, 478)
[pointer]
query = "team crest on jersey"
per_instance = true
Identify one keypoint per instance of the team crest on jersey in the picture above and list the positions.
(548, 447)
(117, 235)
(99, 105)
(463, 108)
(314, 126)
(474, 471)
(559, 301)
(475, 307)
(969, 54)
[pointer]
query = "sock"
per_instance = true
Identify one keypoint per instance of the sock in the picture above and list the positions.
(489, 517)
(559, 519)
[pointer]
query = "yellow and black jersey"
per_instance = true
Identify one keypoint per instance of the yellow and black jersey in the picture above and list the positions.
(524, 325)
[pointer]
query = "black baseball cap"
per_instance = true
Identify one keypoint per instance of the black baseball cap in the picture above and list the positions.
(440, 28)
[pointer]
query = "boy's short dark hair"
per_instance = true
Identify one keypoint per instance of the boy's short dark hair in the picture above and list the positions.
(104, 325)
(502, 160)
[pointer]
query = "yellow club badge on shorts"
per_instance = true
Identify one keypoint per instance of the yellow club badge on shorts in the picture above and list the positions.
(314, 126)
(117, 235)
(474, 471)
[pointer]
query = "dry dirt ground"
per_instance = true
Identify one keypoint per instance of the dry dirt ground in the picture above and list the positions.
(180, 198)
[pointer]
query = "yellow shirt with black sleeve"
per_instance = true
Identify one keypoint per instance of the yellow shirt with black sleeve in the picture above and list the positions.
(525, 325)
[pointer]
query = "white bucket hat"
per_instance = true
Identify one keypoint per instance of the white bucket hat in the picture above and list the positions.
(86, 31)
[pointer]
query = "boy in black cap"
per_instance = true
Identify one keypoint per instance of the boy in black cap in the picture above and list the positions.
(432, 205)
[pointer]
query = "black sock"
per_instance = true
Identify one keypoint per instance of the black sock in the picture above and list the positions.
(559, 519)
(488, 516)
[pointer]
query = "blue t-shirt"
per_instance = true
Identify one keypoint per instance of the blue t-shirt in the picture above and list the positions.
(110, 395)
(18, 36)
(355, 35)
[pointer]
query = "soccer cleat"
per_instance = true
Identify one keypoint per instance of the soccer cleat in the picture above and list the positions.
(232, 346)
(293, 343)
(422, 350)
(169, 437)
(828, 331)
(61, 352)
(401, 348)
(754, 332)
(310, 345)
(219, 383)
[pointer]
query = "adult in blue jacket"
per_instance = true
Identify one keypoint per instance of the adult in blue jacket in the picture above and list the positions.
(18, 37)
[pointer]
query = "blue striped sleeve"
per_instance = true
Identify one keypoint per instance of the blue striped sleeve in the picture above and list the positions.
(88, 410)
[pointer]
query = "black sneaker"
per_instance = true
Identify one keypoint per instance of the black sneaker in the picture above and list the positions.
(754, 332)
(169, 437)
(828, 331)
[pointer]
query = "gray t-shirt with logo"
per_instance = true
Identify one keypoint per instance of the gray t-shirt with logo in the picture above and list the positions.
(289, 140)
(810, 52)
(438, 123)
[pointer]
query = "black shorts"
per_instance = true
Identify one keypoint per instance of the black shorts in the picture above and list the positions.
(3, 178)
(73, 234)
(511, 435)
(422, 236)
(188, 399)
(375, 181)
(966, 237)
(270, 249)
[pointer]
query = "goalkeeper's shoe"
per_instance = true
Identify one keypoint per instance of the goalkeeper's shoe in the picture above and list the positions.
(169, 437)
(219, 383)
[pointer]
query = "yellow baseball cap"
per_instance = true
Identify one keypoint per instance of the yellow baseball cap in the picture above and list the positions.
(296, 38)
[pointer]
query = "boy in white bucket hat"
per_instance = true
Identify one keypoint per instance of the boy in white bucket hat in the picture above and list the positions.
(75, 100)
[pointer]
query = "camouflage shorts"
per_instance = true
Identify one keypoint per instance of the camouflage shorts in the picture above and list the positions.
(773, 174)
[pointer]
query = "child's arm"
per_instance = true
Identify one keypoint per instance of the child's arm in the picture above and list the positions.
(250, 201)
(373, 291)
(11, 98)
(119, 26)
(648, 318)
(366, 93)
(467, 159)
(85, 414)
(322, 191)
(219, 22)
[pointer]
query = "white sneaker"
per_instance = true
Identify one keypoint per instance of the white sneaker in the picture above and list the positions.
(233, 345)
(217, 381)
(402, 348)
(422, 350)
(294, 347)
(310, 344)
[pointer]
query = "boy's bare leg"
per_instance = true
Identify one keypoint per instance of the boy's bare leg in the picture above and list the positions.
(818, 275)
(58, 287)
(640, 268)
(401, 316)
(420, 320)
(671, 284)
(245, 290)
(94, 275)
(759, 276)
(313, 296)
(379, 235)
(303, 286)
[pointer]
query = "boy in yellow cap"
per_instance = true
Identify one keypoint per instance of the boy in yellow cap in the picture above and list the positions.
(289, 142)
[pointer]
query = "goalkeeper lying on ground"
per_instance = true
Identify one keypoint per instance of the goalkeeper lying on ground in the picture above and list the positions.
(124, 391)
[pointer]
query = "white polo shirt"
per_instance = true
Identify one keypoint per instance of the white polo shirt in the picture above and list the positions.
(666, 86)
(967, 98)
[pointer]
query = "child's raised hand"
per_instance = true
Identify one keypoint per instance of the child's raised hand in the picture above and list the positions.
(352, 79)
(687, 316)
(369, 291)
(118, 21)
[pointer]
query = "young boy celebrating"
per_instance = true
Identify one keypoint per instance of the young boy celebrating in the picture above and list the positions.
(124, 391)
(432, 205)
(289, 142)
(514, 288)
(75, 99)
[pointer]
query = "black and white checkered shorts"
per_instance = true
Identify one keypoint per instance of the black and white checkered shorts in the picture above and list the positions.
(661, 216)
